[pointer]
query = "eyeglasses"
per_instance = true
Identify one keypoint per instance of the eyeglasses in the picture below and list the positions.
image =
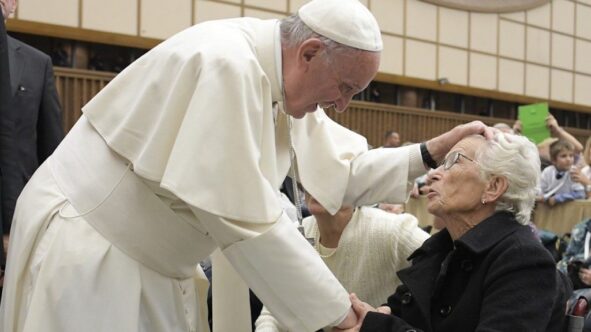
(453, 158)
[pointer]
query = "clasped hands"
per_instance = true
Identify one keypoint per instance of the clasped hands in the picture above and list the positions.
(361, 309)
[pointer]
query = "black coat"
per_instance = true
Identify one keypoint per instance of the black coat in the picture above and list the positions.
(497, 277)
(37, 121)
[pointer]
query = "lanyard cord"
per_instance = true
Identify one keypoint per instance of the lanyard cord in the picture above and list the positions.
(294, 172)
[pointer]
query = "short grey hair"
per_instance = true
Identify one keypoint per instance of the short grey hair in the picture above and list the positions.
(294, 32)
(516, 159)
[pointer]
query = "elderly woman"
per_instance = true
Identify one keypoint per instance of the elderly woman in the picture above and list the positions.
(486, 271)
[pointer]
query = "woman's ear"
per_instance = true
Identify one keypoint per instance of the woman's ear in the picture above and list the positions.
(496, 187)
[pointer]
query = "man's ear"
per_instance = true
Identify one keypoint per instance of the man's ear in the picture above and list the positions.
(496, 187)
(310, 49)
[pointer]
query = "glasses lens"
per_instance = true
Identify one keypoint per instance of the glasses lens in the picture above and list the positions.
(451, 160)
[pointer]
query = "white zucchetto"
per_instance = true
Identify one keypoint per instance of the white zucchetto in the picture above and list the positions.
(345, 21)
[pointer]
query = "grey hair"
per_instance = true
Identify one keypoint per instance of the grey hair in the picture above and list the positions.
(516, 159)
(294, 32)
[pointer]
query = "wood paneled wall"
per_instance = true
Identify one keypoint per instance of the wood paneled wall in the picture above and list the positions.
(414, 125)
(76, 87)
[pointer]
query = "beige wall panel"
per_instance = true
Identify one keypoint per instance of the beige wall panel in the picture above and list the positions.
(584, 21)
(563, 14)
(483, 32)
(584, 1)
(540, 16)
(420, 60)
(421, 19)
(453, 27)
(207, 10)
(583, 58)
(119, 16)
(390, 15)
(562, 51)
(538, 45)
(60, 12)
(562, 85)
(483, 71)
(453, 65)
(265, 15)
(512, 40)
(583, 90)
(159, 21)
(511, 76)
(294, 5)
(517, 16)
(537, 81)
(391, 59)
(279, 5)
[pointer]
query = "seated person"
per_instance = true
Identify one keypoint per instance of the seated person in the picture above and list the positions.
(556, 184)
(486, 271)
(363, 247)
(583, 176)
(578, 251)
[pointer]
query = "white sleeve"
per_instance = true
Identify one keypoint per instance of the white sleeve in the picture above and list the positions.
(282, 268)
(267, 323)
(384, 175)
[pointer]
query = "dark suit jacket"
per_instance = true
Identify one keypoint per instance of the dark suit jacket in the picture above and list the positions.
(37, 120)
(5, 123)
(497, 277)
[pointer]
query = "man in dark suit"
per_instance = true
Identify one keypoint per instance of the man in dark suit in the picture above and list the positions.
(4, 97)
(37, 127)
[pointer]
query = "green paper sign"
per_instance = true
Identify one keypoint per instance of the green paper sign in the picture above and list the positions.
(533, 121)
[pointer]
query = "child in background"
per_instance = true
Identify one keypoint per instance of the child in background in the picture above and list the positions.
(556, 183)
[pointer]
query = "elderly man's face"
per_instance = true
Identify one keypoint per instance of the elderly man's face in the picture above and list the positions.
(459, 189)
(327, 79)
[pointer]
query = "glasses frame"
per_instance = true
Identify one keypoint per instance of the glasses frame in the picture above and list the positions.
(453, 158)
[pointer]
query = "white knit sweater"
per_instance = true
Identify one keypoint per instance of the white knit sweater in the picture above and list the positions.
(373, 246)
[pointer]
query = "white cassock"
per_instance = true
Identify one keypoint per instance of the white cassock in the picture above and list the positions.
(179, 155)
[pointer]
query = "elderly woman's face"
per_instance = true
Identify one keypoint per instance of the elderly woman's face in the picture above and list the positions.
(456, 186)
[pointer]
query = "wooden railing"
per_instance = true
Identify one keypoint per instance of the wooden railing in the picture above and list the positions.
(76, 87)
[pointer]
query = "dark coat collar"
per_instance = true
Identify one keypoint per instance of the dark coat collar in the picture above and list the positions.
(477, 240)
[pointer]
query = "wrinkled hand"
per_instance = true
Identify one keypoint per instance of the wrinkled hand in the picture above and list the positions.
(351, 321)
(439, 146)
(361, 309)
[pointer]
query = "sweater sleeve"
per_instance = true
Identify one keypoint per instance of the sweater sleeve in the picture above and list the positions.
(267, 323)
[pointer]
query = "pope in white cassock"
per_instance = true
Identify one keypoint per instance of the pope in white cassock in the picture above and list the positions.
(183, 153)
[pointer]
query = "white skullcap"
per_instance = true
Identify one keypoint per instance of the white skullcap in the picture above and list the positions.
(345, 21)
